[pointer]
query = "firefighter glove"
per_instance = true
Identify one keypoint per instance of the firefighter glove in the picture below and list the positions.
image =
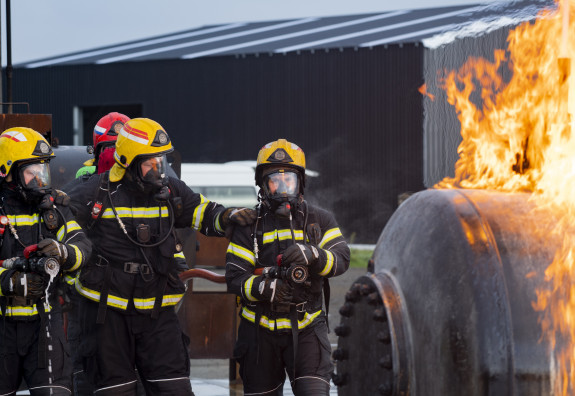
(301, 254)
(239, 216)
(27, 284)
(52, 248)
(61, 198)
(275, 291)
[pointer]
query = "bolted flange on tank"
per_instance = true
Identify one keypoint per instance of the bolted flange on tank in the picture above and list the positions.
(448, 309)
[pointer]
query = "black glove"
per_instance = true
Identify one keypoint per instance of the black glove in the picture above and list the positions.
(52, 248)
(300, 254)
(239, 216)
(29, 285)
(276, 291)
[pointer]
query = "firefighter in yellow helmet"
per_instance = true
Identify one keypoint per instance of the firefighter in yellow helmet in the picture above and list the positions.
(132, 285)
(279, 267)
(39, 240)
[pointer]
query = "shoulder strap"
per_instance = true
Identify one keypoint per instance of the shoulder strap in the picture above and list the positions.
(99, 201)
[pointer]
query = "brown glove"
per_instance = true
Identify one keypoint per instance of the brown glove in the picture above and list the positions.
(52, 248)
(29, 285)
(239, 216)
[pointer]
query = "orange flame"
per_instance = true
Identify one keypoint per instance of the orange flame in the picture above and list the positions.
(423, 90)
(516, 114)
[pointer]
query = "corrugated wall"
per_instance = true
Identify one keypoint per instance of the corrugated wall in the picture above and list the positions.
(357, 114)
(442, 130)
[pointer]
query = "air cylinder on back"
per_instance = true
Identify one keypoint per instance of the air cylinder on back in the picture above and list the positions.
(448, 308)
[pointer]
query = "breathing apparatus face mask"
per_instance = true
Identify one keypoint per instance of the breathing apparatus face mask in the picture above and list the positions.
(152, 172)
(34, 180)
(281, 191)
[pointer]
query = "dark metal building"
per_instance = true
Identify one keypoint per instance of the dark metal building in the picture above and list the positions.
(343, 88)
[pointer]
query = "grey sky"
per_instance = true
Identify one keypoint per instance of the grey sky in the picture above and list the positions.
(43, 28)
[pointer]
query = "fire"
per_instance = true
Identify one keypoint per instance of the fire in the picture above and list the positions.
(516, 113)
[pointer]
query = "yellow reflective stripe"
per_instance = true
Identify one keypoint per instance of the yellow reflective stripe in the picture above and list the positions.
(199, 213)
(282, 235)
(136, 213)
(69, 279)
(113, 301)
(148, 303)
(23, 220)
(279, 323)
(180, 255)
(242, 253)
(79, 258)
(329, 264)
(70, 226)
(23, 310)
(219, 227)
(330, 235)
(248, 288)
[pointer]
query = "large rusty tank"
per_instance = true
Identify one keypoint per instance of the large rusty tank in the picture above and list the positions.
(448, 308)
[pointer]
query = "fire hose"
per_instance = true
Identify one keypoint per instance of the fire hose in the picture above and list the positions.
(294, 273)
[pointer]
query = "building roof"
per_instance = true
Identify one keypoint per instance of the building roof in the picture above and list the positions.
(432, 27)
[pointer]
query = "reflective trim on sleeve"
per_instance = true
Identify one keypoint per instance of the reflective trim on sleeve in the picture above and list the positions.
(69, 279)
(70, 226)
(279, 323)
(218, 224)
(329, 263)
(199, 213)
(79, 258)
(179, 255)
(242, 253)
(330, 235)
(248, 288)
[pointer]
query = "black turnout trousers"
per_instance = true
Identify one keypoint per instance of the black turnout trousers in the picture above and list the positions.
(157, 348)
(265, 358)
(19, 357)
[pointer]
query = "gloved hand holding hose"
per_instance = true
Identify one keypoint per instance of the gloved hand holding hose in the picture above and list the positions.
(31, 285)
(52, 248)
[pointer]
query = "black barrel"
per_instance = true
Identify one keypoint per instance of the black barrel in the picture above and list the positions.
(448, 309)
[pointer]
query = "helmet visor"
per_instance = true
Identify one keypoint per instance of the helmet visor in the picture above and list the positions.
(156, 165)
(35, 176)
(281, 184)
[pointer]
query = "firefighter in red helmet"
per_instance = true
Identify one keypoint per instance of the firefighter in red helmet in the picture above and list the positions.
(39, 240)
(131, 287)
(279, 267)
(103, 138)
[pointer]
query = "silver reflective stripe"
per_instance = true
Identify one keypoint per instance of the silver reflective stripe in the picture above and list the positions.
(115, 386)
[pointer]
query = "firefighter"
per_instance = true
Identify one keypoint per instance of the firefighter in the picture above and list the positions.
(279, 268)
(131, 285)
(34, 220)
(103, 138)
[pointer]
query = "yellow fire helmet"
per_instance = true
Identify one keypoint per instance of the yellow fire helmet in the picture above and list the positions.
(139, 137)
(280, 154)
(21, 144)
